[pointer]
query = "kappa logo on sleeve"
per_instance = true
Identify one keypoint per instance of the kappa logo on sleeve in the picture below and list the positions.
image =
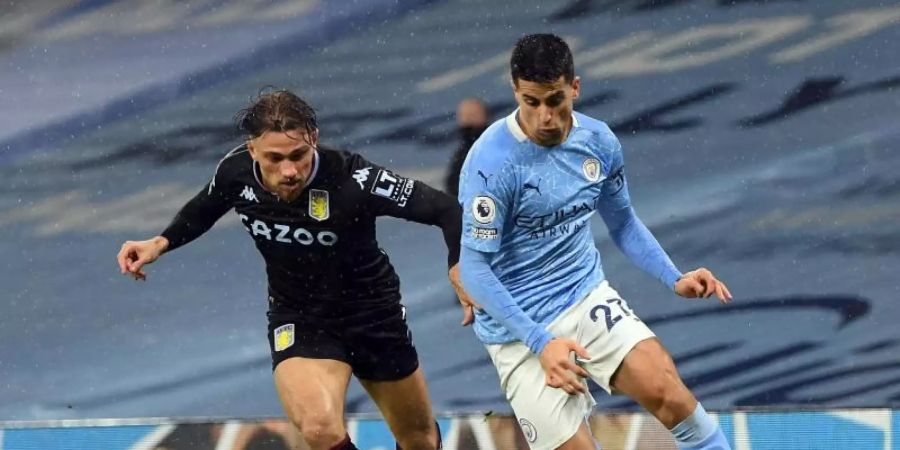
(249, 195)
(361, 176)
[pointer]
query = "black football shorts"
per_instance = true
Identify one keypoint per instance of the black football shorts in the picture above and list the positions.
(374, 340)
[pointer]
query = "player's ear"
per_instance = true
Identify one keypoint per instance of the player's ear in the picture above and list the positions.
(576, 87)
(251, 148)
(314, 138)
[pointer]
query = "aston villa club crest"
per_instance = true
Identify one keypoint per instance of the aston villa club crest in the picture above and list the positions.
(318, 205)
(591, 169)
(283, 337)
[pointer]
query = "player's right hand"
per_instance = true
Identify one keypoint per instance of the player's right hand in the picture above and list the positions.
(134, 255)
(560, 370)
(702, 283)
(468, 305)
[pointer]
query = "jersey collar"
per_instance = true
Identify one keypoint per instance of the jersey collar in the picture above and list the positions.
(513, 125)
(315, 169)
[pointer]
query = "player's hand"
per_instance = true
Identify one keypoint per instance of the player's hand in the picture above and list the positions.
(702, 283)
(560, 370)
(134, 255)
(468, 305)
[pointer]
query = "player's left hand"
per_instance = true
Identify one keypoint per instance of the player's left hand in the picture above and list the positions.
(468, 305)
(702, 283)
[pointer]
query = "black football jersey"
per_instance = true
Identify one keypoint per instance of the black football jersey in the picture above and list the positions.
(320, 249)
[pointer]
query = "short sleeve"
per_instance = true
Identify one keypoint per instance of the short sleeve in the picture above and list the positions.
(486, 201)
(614, 191)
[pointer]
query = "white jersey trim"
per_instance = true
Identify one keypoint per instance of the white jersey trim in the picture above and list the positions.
(513, 125)
(234, 151)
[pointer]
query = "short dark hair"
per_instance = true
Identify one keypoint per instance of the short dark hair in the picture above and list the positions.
(278, 110)
(542, 58)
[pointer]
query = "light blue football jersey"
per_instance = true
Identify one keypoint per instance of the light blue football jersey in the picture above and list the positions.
(530, 206)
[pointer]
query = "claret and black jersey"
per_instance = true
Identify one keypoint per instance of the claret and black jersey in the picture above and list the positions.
(320, 249)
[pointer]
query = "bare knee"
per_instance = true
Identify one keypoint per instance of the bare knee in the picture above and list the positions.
(422, 436)
(668, 398)
(320, 431)
(648, 375)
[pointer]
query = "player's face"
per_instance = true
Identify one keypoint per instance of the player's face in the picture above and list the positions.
(471, 113)
(285, 160)
(545, 109)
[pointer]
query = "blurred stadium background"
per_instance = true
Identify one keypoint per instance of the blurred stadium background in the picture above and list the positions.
(762, 140)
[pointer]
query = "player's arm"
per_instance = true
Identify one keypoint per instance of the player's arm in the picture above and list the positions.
(486, 289)
(196, 217)
(486, 217)
(486, 209)
(430, 206)
(633, 238)
(386, 193)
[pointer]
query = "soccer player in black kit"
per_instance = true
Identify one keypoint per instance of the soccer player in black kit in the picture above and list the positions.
(334, 298)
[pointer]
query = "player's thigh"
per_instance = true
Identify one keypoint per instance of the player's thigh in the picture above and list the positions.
(387, 364)
(582, 440)
(312, 392)
(379, 344)
(549, 417)
(607, 328)
(404, 403)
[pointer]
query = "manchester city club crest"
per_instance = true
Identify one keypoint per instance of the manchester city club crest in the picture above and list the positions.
(528, 430)
(318, 205)
(591, 169)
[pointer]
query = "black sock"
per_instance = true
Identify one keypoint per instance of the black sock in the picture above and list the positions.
(346, 444)
(440, 443)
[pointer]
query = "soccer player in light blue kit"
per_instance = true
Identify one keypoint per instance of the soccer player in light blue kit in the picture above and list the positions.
(528, 189)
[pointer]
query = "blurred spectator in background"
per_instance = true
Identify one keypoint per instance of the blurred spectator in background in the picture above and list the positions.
(471, 120)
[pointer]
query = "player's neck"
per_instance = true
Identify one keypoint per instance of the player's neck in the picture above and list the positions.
(531, 137)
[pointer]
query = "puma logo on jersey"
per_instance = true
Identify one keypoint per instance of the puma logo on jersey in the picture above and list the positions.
(361, 176)
(249, 195)
(485, 177)
(533, 187)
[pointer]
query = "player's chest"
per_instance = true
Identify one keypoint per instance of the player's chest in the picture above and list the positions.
(558, 189)
(319, 216)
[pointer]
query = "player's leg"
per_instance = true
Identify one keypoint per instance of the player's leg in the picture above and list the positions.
(627, 357)
(549, 417)
(387, 365)
(312, 392)
(406, 408)
(582, 440)
(648, 375)
(311, 371)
